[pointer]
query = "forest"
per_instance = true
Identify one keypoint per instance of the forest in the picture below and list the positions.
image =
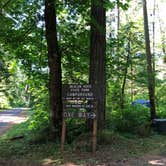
(110, 53)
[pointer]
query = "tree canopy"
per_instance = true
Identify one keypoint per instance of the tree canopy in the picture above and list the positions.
(45, 44)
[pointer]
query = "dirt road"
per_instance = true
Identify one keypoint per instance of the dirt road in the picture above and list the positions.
(10, 117)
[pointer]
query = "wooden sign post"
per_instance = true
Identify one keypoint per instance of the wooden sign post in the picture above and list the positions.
(79, 97)
(63, 134)
(94, 141)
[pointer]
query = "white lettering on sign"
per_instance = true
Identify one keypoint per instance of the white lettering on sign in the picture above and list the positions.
(74, 94)
(87, 115)
(75, 105)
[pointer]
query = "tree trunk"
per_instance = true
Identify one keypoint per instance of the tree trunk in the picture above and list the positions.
(118, 18)
(128, 61)
(98, 56)
(149, 63)
(54, 62)
(154, 16)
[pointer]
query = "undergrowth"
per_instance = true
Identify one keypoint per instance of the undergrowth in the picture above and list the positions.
(29, 141)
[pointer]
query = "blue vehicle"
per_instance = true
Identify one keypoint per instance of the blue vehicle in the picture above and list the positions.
(142, 102)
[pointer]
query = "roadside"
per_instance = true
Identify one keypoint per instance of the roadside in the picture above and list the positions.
(10, 117)
(115, 150)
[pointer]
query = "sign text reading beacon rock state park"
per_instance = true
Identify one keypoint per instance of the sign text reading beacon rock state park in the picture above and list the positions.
(72, 91)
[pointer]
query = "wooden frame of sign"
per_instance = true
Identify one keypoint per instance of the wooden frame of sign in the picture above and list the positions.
(78, 97)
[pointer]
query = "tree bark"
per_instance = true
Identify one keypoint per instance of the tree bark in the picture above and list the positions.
(118, 18)
(128, 61)
(149, 63)
(154, 16)
(98, 56)
(54, 62)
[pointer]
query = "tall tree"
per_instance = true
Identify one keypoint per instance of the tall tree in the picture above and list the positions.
(154, 16)
(128, 61)
(149, 63)
(54, 61)
(98, 56)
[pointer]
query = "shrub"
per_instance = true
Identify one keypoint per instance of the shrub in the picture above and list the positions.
(133, 119)
(39, 126)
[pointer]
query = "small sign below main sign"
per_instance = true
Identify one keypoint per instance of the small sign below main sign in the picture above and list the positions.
(86, 115)
(75, 105)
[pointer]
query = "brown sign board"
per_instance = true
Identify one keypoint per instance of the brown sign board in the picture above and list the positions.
(76, 96)
(86, 115)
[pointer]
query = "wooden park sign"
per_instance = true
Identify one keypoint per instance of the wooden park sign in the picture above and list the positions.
(78, 97)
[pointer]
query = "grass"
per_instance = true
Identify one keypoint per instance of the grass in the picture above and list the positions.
(4, 108)
(112, 147)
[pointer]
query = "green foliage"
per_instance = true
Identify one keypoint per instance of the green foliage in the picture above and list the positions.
(126, 62)
(25, 60)
(164, 59)
(75, 127)
(23, 151)
(133, 119)
(39, 126)
(123, 5)
(113, 97)
(161, 100)
(161, 113)
(4, 103)
(108, 137)
(39, 121)
(16, 84)
(83, 142)
(25, 148)
(24, 69)
(74, 41)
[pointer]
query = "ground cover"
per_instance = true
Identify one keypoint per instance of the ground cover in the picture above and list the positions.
(19, 146)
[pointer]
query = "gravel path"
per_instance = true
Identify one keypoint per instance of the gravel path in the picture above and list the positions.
(10, 117)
